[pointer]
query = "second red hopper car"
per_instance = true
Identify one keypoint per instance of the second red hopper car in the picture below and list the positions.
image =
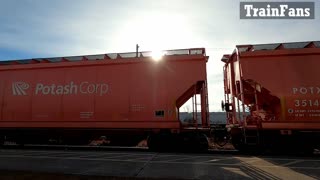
(272, 95)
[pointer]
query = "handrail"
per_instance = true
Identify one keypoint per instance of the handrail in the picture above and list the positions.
(110, 56)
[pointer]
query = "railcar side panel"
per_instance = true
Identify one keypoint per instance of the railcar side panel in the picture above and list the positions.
(292, 80)
(127, 94)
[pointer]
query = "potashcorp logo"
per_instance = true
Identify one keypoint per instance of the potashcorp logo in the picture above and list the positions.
(19, 88)
(276, 10)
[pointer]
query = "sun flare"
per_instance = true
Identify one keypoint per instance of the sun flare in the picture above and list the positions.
(157, 55)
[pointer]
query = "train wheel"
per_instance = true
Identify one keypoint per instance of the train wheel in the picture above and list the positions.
(195, 142)
(305, 149)
(178, 142)
(236, 142)
(20, 141)
(151, 142)
(240, 145)
(1, 141)
(160, 142)
(201, 142)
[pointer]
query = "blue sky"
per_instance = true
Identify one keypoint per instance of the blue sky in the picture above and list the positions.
(46, 28)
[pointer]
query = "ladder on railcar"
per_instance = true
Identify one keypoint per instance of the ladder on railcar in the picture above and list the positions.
(201, 113)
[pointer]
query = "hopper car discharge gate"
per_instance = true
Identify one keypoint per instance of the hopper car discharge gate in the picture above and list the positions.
(270, 96)
(121, 96)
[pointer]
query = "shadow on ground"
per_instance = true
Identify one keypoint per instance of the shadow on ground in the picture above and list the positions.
(24, 175)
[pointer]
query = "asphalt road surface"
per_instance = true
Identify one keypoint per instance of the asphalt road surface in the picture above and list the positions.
(160, 165)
